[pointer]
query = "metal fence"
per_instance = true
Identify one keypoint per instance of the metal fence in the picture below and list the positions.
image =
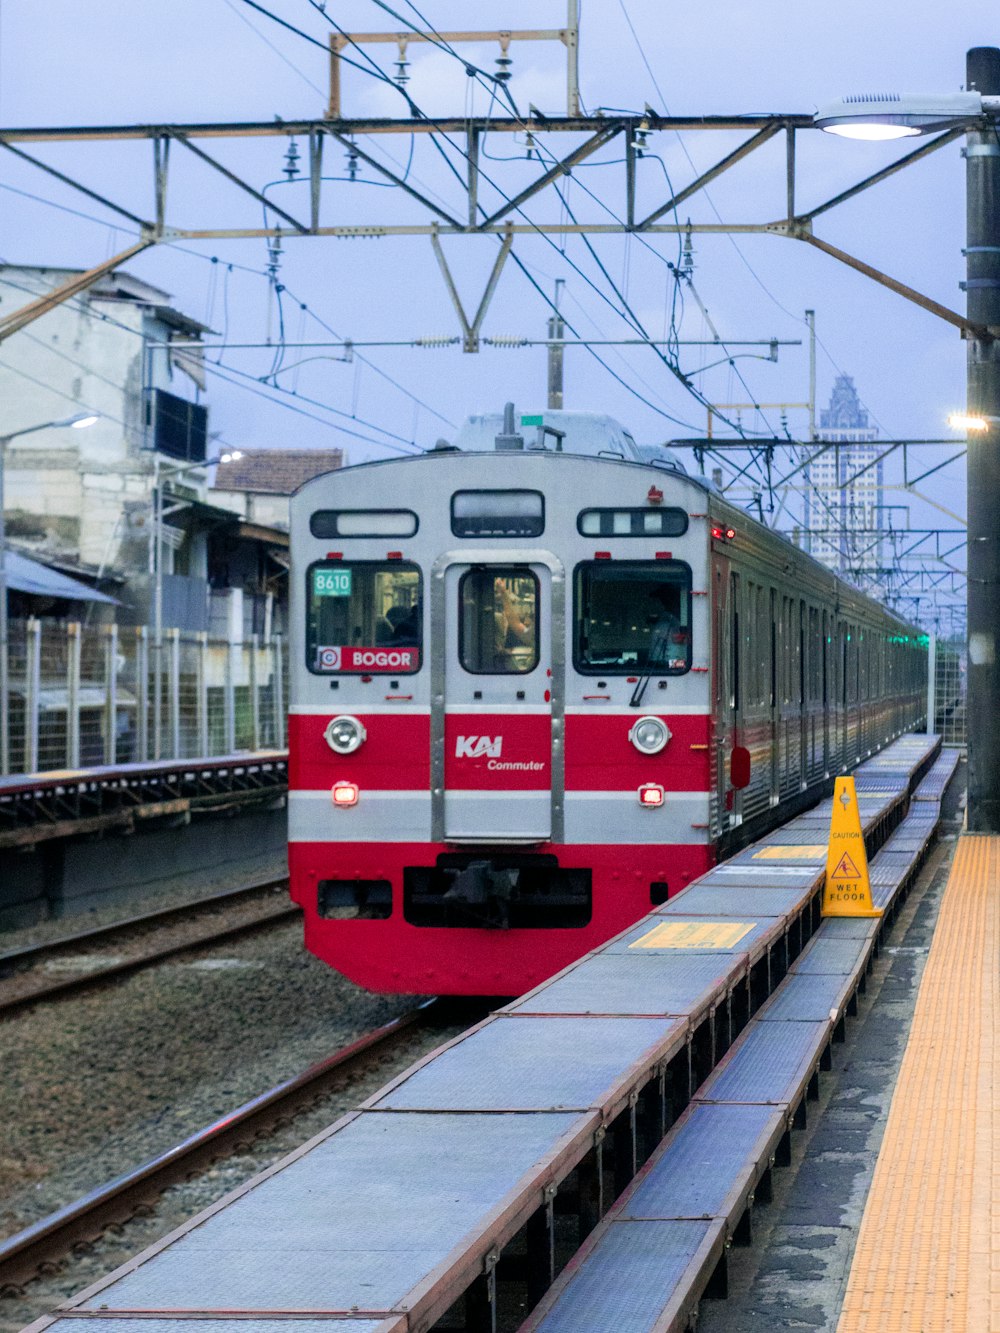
(84, 695)
(946, 701)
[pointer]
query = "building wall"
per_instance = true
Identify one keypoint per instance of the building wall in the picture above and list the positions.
(270, 510)
(78, 494)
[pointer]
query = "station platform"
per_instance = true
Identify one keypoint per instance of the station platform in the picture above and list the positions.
(584, 1158)
(39, 807)
(928, 1252)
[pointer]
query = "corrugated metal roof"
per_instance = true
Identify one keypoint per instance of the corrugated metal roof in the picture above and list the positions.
(38, 580)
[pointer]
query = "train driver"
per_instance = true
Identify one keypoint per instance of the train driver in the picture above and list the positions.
(667, 635)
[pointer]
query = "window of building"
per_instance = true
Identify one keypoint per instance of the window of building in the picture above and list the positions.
(498, 622)
(363, 617)
(633, 617)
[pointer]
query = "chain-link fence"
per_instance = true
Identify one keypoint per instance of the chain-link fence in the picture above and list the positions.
(82, 695)
(949, 664)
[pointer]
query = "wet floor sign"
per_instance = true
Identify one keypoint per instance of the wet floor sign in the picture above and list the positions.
(847, 890)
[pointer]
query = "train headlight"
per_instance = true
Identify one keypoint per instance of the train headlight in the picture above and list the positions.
(649, 735)
(344, 734)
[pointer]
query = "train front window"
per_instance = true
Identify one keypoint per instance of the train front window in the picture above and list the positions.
(633, 617)
(363, 617)
(498, 629)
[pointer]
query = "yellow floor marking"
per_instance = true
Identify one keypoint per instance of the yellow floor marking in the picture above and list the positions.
(694, 935)
(928, 1252)
(786, 853)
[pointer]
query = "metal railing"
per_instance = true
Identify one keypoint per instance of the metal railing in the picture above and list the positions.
(84, 695)
(946, 687)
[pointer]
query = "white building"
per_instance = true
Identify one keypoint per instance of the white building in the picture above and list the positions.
(843, 504)
(83, 501)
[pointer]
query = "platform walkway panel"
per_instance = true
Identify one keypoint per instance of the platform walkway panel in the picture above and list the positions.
(928, 1252)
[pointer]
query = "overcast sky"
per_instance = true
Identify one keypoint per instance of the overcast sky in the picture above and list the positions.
(119, 61)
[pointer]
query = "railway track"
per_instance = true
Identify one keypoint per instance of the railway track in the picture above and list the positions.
(142, 940)
(41, 1248)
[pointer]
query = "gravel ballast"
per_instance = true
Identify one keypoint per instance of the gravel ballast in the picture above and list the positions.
(100, 1082)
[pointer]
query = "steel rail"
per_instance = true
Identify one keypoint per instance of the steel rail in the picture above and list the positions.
(47, 1241)
(123, 966)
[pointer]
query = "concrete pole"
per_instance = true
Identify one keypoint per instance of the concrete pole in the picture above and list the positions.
(983, 290)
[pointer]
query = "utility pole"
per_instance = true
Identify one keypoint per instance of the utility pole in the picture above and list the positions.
(557, 331)
(982, 173)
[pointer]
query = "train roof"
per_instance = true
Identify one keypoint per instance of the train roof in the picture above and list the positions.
(593, 434)
(600, 438)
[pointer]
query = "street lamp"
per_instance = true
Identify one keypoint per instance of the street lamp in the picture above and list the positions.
(78, 422)
(230, 456)
(876, 116)
(978, 108)
(973, 421)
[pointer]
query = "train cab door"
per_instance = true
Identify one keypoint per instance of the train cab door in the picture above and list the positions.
(497, 698)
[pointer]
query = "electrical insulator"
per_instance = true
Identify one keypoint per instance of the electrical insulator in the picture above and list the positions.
(687, 256)
(352, 163)
(639, 142)
(506, 340)
(274, 257)
(436, 340)
(401, 75)
(291, 167)
(529, 146)
(504, 63)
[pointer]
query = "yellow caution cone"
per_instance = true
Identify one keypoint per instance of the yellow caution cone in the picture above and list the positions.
(847, 890)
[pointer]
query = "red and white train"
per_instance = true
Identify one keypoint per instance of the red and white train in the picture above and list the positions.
(540, 683)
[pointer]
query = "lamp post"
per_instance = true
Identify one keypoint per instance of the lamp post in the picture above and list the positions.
(230, 456)
(78, 422)
(978, 108)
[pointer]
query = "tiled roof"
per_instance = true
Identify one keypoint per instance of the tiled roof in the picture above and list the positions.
(276, 471)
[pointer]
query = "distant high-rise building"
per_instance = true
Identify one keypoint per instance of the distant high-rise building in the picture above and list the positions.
(843, 506)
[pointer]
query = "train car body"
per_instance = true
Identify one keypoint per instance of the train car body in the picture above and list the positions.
(519, 675)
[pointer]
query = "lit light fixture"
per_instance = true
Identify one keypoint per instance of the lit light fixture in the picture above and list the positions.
(344, 734)
(875, 116)
(82, 422)
(649, 735)
(650, 795)
(344, 794)
(973, 421)
(232, 456)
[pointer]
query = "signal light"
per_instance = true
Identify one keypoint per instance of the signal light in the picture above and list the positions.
(344, 794)
(651, 795)
(724, 534)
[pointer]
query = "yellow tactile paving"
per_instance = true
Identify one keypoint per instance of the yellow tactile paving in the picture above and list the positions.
(928, 1253)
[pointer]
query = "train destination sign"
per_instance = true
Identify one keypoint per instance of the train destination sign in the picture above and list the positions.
(847, 888)
(335, 658)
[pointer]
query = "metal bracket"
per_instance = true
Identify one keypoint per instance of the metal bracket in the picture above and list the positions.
(470, 331)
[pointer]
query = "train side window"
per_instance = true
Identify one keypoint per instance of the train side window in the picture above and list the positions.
(632, 617)
(498, 622)
(363, 616)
